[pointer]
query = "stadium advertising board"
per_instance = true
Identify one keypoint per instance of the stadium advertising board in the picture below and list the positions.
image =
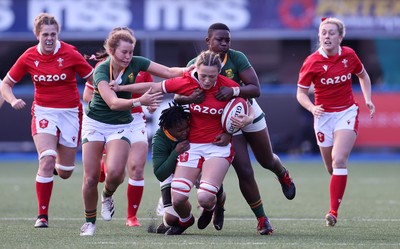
(280, 18)
(384, 128)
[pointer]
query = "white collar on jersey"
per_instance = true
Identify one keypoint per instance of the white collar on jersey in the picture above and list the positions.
(194, 75)
(58, 46)
(322, 52)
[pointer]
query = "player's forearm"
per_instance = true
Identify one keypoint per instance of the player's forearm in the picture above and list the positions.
(365, 83)
(304, 100)
(141, 88)
(6, 92)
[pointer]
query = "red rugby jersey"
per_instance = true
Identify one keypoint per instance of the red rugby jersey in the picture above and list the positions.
(53, 75)
(205, 120)
(331, 76)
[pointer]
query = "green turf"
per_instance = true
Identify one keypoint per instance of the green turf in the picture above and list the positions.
(369, 216)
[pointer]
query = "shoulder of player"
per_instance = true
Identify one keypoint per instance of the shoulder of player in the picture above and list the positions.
(103, 66)
(31, 49)
(139, 63)
(225, 81)
(313, 63)
(67, 48)
(160, 138)
(30, 52)
(236, 54)
(186, 80)
(67, 45)
(139, 60)
(313, 58)
(346, 49)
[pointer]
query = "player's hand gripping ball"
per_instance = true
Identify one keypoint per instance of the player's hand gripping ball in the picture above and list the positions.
(234, 107)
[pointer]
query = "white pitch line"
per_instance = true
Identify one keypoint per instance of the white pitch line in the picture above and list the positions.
(227, 219)
(237, 243)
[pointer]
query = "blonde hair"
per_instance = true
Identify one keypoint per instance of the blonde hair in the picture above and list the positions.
(335, 21)
(44, 19)
(209, 58)
(116, 35)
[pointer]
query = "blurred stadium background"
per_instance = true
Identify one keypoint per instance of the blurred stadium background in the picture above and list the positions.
(276, 35)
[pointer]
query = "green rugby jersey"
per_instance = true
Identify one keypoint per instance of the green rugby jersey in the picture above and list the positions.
(97, 108)
(164, 155)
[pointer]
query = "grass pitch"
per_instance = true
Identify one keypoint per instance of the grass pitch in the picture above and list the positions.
(369, 216)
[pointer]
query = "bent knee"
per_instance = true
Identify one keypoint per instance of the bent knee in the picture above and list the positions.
(115, 177)
(270, 162)
(339, 163)
(47, 160)
(206, 194)
(181, 186)
(64, 171)
(90, 182)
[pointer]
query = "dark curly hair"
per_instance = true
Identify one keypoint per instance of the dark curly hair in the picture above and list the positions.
(173, 115)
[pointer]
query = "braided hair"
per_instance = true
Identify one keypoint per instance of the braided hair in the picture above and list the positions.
(173, 115)
(209, 58)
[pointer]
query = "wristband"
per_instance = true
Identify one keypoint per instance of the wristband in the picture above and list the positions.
(136, 103)
(236, 91)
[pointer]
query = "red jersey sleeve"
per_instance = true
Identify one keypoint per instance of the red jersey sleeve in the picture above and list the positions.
(305, 75)
(358, 66)
(81, 66)
(18, 70)
(140, 78)
(181, 85)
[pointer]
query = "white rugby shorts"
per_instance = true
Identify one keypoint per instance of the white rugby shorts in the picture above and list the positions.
(198, 153)
(329, 122)
(93, 130)
(62, 122)
(139, 128)
(259, 122)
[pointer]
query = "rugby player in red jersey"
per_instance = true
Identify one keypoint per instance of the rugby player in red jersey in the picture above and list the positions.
(56, 110)
(210, 153)
(335, 111)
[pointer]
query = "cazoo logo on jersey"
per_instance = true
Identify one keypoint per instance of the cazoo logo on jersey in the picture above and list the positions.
(336, 79)
(206, 109)
(49, 77)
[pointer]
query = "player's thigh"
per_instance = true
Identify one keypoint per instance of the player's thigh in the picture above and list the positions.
(117, 156)
(92, 153)
(240, 147)
(137, 159)
(187, 173)
(66, 155)
(260, 144)
(214, 170)
(45, 141)
(343, 144)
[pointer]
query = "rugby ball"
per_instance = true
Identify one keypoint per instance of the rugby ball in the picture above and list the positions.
(234, 107)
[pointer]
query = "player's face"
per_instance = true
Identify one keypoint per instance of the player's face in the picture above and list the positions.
(219, 42)
(180, 131)
(207, 76)
(123, 53)
(47, 37)
(329, 38)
